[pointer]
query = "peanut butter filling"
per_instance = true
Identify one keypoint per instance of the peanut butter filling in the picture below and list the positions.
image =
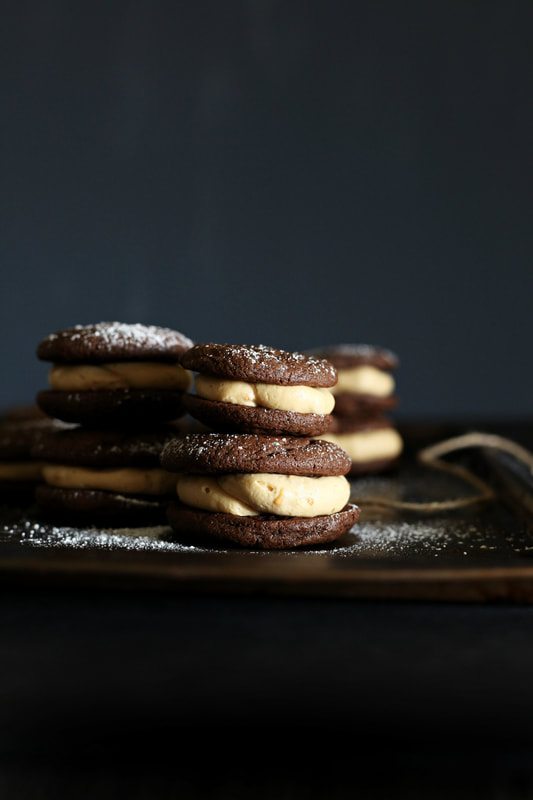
(20, 470)
(365, 446)
(120, 375)
(302, 399)
(364, 380)
(247, 495)
(122, 481)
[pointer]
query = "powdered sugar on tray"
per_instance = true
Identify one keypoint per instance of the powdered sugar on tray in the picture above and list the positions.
(379, 535)
(367, 540)
(35, 534)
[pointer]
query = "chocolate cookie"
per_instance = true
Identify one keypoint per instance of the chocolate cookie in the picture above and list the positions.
(343, 356)
(114, 374)
(117, 408)
(258, 389)
(20, 471)
(373, 444)
(246, 419)
(107, 477)
(260, 491)
(344, 425)
(111, 342)
(259, 364)
(225, 453)
(362, 406)
(18, 438)
(102, 449)
(262, 532)
(88, 507)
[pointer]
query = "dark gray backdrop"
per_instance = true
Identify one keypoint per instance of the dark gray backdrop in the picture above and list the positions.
(284, 172)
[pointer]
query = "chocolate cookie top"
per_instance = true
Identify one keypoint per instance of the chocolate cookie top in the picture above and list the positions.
(18, 438)
(344, 356)
(210, 453)
(90, 448)
(258, 363)
(113, 341)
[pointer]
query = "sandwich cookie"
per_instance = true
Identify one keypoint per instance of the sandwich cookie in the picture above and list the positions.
(104, 476)
(258, 389)
(373, 444)
(113, 374)
(19, 470)
(365, 386)
(260, 491)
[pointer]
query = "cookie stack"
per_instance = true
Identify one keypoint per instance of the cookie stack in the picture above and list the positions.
(261, 479)
(363, 395)
(122, 384)
(20, 471)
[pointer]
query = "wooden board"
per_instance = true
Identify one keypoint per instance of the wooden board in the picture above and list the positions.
(473, 555)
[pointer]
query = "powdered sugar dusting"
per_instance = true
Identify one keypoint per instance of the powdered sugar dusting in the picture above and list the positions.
(397, 539)
(491, 534)
(135, 334)
(263, 354)
(367, 541)
(112, 340)
(223, 452)
(260, 362)
(35, 534)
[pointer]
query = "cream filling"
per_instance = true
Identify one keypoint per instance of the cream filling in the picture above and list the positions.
(303, 399)
(20, 470)
(123, 481)
(120, 375)
(368, 445)
(246, 495)
(364, 380)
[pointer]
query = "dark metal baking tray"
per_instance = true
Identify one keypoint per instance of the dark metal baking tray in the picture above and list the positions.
(476, 554)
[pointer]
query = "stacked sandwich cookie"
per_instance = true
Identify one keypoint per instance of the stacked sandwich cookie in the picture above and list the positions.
(113, 373)
(20, 471)
(373, 443)
(260, 480)
(363, 395)
(104, 477)
(258, 389)
(124, 385)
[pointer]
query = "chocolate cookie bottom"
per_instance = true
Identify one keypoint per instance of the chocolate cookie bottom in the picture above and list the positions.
(263, 532)
(118, 408)
(371, 467)
(89, 507)
(249, 419)
(361, 406)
